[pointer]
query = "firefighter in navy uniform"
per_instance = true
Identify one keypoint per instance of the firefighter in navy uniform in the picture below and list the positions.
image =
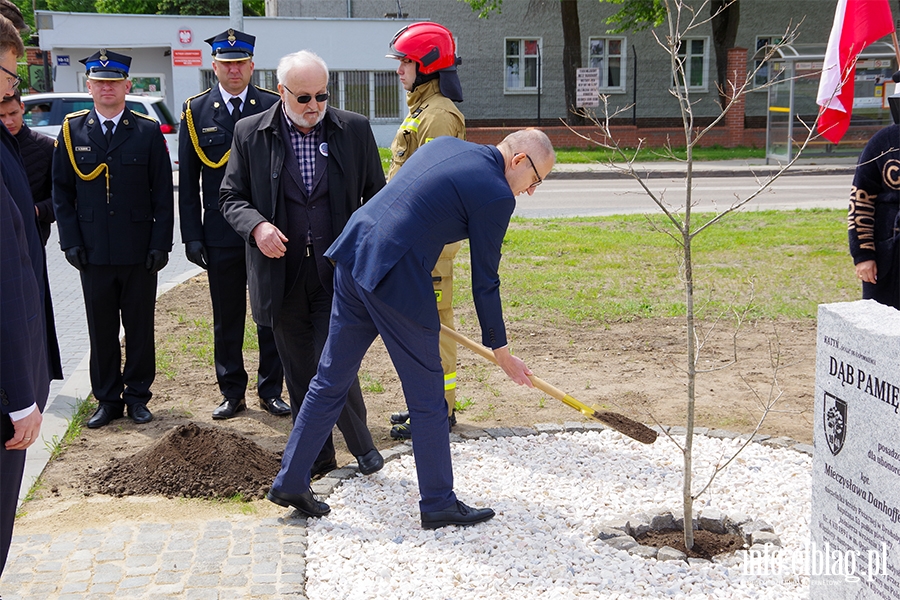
(207, 126)
(112, 193)
(427, 55)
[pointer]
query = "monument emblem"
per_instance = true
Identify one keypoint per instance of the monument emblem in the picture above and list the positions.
(835, 422)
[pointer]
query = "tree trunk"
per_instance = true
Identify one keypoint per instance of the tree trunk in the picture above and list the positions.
(686, 239)
(571, 56)
(724, 29)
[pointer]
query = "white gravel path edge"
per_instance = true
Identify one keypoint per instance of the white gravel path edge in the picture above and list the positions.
(551, 492)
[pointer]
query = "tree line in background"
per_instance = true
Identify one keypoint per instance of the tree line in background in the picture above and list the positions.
(252, 8)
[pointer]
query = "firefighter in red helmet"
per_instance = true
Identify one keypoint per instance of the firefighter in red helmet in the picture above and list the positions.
(427, 55)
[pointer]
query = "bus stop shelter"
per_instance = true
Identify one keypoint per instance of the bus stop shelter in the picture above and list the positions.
(795, 72)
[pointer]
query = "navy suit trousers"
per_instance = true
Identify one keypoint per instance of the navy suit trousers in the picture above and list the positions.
(357, 318)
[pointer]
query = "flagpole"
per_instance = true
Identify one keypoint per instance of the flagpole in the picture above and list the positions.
(896, 47)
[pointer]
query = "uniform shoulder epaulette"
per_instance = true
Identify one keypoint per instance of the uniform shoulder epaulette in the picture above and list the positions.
(140, 114)
(267, 90)
(78, 113)
(206, 91)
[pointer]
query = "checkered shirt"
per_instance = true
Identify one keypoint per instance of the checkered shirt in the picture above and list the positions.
(305, 145)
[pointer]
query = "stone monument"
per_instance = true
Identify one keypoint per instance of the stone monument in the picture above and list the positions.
(854, 550)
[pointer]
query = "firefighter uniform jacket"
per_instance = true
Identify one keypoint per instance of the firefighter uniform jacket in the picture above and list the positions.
(431, 115)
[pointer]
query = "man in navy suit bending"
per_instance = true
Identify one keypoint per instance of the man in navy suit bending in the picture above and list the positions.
(449, 190)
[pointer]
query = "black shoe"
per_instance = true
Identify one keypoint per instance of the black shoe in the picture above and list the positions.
(323, 468)
(399, 417)
(457, 514)
(229, 408)
(370, 462)
(275, 406)
(105, 413)
(402, 431)
(305, 502)
(139, 413)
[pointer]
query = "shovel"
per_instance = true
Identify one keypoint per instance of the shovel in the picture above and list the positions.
(633, 429)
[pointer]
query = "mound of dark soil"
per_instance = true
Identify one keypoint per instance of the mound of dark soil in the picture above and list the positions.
(193, 462)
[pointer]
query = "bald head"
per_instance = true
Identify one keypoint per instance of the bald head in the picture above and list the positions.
(529, 157)
(532, 142)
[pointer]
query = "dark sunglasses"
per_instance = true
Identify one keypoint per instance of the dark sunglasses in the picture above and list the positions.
(305, 98)
(17, 79)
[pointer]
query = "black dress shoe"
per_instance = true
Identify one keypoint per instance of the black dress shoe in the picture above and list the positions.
(104, 414)
(323, 468)
(370, 462)
(229, 408)
(399, 417)
(139, 413)
(305, 502)
(457, 514)
(275, 406)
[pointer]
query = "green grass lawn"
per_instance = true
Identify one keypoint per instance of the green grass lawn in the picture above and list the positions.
(592, 155)
(600, 269)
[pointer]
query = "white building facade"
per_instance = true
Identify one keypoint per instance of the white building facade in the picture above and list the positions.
(170, 58)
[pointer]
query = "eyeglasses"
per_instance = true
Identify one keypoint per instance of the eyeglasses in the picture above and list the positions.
(16, 79)
(536, 174)
(305, 98)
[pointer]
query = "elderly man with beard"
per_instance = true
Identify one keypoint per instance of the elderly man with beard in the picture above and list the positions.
(296, 173)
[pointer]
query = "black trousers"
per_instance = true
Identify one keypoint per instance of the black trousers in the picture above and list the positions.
(129, 291)
(228, 292)
(12, 467)
(300, 333)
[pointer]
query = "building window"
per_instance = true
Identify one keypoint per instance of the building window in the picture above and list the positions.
(522, 65)
(608, 55)
(373, 94)
(764, 73)
(693, 53)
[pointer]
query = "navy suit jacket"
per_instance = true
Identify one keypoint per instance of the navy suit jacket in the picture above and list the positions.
(447, 191)
(24, 377)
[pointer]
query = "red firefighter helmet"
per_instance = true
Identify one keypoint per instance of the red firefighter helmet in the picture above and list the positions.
(428, 44)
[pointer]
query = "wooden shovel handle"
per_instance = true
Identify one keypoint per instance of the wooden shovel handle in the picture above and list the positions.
(631, 428)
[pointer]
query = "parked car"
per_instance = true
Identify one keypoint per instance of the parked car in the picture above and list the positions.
(45, 113)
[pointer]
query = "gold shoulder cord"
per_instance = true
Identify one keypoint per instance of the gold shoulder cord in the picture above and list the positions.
(93, 174)
(189, 117)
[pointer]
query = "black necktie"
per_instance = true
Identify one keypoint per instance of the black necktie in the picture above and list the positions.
(236, 111)
(109, 130)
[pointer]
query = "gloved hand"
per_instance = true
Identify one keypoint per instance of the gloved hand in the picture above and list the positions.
(156, 260)
(77, 257)
(196, 253)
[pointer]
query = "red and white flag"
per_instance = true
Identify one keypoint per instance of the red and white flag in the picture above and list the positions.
(857, 23)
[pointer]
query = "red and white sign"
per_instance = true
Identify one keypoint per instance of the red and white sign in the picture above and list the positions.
(187, 58)
(185, 36)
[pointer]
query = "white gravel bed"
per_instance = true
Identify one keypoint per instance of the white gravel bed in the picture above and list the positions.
(550, 493)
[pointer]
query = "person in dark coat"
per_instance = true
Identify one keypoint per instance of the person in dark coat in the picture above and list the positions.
(874, 214)
(296, 173)
(37, 154)
(207, 127)
(25, 366)
(112, 192)
(449, 190)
